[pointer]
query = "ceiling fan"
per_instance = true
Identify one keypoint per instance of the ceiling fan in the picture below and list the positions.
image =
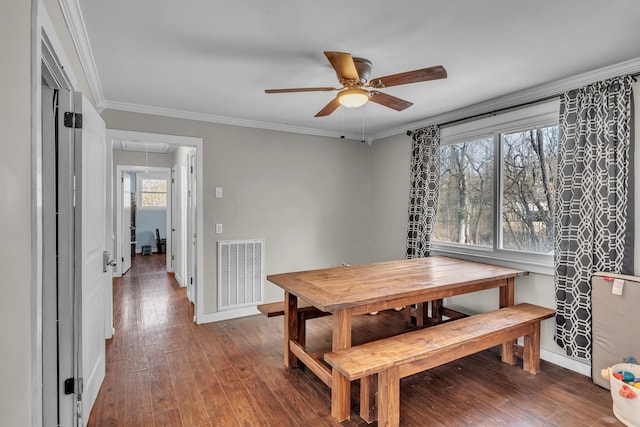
(353, 74)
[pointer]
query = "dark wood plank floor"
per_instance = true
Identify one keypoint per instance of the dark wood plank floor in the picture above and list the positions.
(163, 370)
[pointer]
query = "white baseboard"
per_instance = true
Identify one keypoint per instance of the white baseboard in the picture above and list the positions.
(566, 362)
(228, 314)
(179, 280)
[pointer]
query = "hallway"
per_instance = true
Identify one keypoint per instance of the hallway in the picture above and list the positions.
(164, 370)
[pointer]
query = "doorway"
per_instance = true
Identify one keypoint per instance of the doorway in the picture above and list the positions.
(186, 152)
(59, 316)
(143, 215)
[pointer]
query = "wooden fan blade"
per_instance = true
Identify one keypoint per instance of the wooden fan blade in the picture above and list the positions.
(422, 75)
(329, 108)
(344, 65)
(390, 101)
(301, 89)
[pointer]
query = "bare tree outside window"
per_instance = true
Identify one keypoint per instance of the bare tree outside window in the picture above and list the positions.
(529, 172)
(154, 192)
(465, 200)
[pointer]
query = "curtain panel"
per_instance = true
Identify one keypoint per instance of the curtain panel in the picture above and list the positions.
(594, 206)
(423, 196)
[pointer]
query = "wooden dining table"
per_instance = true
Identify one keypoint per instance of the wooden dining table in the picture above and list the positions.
(359, 289)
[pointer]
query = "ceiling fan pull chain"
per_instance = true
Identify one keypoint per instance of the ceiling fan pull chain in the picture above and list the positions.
(363, 139)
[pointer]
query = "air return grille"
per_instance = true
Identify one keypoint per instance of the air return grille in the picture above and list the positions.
(240, 273)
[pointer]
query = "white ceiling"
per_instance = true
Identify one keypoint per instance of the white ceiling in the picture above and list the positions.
(212, 60)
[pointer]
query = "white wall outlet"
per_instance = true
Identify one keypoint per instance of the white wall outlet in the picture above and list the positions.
(218, 192)
(218, 228)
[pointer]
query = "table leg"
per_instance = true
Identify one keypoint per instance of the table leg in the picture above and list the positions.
(422, 314)
(507, 298)
(291, 328)
(341, 386)
(436, 314)
(507, 293)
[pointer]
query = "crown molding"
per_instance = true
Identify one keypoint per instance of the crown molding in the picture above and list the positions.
(73, 17)
(201, 117)
(75, 22)
(533, 94)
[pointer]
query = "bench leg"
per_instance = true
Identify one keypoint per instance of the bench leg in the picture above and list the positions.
(531, 354)
(368, 391)
(508, 356)
(340, 389)
(389, 398)
(340, 385)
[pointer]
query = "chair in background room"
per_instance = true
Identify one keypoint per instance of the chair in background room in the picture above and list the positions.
(161, 244)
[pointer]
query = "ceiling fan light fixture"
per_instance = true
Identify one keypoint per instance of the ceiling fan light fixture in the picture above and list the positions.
(353, 97)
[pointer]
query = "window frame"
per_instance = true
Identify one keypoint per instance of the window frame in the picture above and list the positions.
(140, 176)
(539, 115)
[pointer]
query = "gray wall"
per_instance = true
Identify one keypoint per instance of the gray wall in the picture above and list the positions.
(15, 205)
(19, 262)
(308, 197)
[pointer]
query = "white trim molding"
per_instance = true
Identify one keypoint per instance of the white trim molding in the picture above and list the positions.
(73, 17)
(75, 22)
(228, 314)
(514, 99)
(533, 94)
(201, 117)
(566, 362)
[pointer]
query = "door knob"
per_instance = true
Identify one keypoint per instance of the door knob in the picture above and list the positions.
(107, 261)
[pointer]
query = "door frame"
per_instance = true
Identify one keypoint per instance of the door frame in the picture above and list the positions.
(172, 231)
(192, 235)
(116, 136)
(46, 52)
(119, 238)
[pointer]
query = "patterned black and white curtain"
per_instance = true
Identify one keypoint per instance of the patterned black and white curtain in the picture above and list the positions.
(423, 196)
(594, 204)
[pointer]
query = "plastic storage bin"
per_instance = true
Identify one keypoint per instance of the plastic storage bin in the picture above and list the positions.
(625, 409)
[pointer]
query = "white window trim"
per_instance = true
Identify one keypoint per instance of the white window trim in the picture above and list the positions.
(538, 115)
(150, 175)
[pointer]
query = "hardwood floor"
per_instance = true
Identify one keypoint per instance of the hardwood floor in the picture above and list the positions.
(164, 370)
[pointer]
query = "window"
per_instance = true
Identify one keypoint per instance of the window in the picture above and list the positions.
(152, 191)
(496, 191)
(528, 182)
(465, 200)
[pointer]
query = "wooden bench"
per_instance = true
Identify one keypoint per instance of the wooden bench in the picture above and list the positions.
(399, 356)
(274, 309)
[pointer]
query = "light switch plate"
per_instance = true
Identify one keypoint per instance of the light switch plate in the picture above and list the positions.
(218, 228)
(218, 192)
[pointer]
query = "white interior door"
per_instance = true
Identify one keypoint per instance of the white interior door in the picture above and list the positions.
(91, 217)
(173, 252)
(126, 222)
(184, 223)
(192, 251)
